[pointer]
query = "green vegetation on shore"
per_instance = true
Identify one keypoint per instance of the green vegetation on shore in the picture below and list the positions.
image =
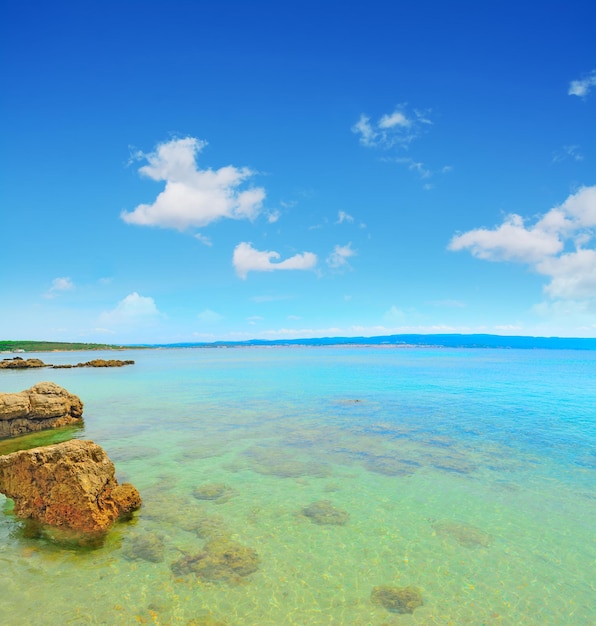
(50, 346)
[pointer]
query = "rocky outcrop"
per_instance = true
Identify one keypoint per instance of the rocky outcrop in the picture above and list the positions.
(96, 363)
(45, 405)
(19, 363)
(69, 485)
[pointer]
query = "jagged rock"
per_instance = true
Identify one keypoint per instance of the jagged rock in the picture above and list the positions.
(68, 485)
(45, 405)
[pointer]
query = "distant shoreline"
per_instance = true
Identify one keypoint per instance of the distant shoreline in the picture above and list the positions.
(385, 341)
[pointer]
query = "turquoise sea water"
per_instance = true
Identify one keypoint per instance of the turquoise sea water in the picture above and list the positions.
(468, 474)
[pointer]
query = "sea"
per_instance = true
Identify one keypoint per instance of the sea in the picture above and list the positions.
(332, 486)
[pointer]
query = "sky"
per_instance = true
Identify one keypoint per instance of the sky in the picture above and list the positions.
(202, 171)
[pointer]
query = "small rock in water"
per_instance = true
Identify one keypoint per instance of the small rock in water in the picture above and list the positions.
(397, 599)
(323, 512)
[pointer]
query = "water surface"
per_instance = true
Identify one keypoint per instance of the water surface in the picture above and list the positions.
(468, 474)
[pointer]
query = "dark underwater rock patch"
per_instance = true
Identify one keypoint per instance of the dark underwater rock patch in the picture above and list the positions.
(465, 534)
(397, 599)
(213, 491)
(324, 513)
(146, 547)
(222, 560)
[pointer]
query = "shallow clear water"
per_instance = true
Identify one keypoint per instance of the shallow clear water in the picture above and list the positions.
(469, 474)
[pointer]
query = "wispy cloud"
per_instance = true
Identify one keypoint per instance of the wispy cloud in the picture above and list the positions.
(203, 239)
(398, 128)
(342, 217)
(248, 259)
(193, 197)
(567, 152)
(559, 245)
(59, 285)
(209, 317)
(338, 259)
(583, 86)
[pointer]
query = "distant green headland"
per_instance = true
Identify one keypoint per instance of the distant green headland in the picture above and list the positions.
(403, 341)
(51, 346)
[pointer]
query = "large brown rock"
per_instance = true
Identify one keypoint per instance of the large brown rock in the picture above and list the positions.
(45, 405)
(70, 485)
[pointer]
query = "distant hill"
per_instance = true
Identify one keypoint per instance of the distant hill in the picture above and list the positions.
(443, 341)
(50, 346)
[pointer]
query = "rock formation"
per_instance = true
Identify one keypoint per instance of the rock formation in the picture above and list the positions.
(18, 363)
(70, 485)
(45, 405)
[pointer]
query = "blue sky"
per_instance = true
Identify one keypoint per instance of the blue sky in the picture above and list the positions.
(192, 171)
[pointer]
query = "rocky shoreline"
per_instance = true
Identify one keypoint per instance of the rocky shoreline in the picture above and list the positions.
(67, 490)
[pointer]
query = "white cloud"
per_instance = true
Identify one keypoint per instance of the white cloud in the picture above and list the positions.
(248, 259)
(545, 245)
(582, 87)
(397, 128)
(131, 309)
(273, 217)
(342, 217)
(59, 285)
(397, 118)
(193, 197)
(511, 241)
(340, 255)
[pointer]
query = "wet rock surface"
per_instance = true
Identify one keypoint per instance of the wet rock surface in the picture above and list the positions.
(69, 485)
(45, 405)
(397, 599)
(324, 513)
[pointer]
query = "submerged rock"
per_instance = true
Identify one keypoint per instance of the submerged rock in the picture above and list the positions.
(222, 560)
(465, 534)
(45, 405)
(323, 512)
(397, 599)
(147, 547)
(69, 485)
(213, 491)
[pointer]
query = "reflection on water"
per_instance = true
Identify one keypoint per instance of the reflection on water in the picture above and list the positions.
(327, 487)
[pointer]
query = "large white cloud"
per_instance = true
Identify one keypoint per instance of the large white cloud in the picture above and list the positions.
(559, 245)
(132, 309)
(193, 197)
(248, 259)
